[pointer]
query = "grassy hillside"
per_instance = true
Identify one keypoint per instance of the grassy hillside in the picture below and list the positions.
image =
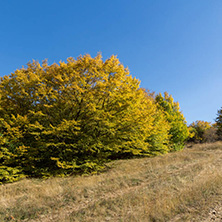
(181, 186)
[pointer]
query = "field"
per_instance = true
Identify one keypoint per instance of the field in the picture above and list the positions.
(180, 186)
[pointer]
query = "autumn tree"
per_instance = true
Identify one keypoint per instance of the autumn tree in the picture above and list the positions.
(74, 116)
(199, 130)
(210, 135)
(61, 119)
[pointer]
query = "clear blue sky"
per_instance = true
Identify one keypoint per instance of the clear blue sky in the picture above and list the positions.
(170, 45)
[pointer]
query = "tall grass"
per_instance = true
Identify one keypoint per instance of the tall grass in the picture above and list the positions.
(180, 186)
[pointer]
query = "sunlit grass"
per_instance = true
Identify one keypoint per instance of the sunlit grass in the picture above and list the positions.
(178, 186)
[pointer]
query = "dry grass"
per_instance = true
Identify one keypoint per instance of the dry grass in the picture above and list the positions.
(180, 186)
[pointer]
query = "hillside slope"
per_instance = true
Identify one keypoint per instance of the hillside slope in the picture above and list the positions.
(181, 186)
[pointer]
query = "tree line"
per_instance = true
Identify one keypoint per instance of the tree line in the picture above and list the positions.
(73, 117)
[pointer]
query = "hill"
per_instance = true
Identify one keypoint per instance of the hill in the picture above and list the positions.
(181, 186)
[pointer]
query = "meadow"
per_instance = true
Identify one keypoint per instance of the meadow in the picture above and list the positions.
(179, 186)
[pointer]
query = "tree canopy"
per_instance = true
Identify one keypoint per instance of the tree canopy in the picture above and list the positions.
(74, 116)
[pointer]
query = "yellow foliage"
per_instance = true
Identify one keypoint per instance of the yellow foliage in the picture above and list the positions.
(75, 115)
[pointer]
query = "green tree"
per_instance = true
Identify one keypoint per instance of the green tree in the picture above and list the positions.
(219, 124)
(178, 129)
(159, 137)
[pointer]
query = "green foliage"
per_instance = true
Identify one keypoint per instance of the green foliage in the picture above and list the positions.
(73, 117)
(178, 129)
(219, 124)
(159, 138)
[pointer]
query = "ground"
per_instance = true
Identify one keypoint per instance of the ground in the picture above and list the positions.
(181, 186)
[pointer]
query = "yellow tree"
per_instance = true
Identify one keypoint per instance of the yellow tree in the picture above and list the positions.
(72, 116)
(198, 129)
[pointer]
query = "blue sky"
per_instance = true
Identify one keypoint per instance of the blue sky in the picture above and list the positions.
(173, 45)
